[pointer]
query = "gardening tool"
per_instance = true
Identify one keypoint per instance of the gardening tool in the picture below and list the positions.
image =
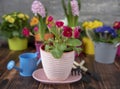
(77, 67)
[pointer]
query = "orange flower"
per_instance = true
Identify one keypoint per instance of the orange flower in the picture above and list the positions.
(34, 21)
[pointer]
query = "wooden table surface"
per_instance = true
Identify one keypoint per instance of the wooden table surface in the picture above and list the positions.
(109, 73)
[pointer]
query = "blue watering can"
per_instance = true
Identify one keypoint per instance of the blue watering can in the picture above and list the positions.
(28, 64)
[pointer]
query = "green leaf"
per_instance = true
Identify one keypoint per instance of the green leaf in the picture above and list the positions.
(73, 42)
(78, 49)
(79, 4)
(54, 31)
(47, 47)
(61, 46)
(57, 53)
(91, 34)
(64, 7)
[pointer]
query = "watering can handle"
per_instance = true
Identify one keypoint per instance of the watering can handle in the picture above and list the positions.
(39, 59)
(117, 44)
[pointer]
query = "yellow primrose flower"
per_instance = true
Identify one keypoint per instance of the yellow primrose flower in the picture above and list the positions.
(34, 21)
(21, 15)
(10, 19)
(27, 16)
(90, 25)
(85, 24)
(15, 22)
(97, 24)
(7, 17)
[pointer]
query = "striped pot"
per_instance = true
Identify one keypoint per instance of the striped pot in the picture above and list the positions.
(57, 69)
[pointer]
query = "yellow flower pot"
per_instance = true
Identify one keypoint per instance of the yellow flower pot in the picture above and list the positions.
(88, 46)
(17, 44)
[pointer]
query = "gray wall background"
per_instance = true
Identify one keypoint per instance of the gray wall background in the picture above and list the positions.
(107, 11)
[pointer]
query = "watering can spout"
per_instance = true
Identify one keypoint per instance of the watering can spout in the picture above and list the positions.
(11, 65)
(38, 59)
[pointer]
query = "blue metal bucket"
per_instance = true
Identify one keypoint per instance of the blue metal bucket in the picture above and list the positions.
(105, 52)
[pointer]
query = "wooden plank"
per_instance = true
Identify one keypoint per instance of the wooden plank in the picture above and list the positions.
(89, 64)
(7, 76)
(12, 80)
(15, 81)
(77, 85)
(56, 86)
(20, 82)
(109, 74)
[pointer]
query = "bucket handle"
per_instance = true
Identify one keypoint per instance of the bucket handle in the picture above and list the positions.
(117, 44)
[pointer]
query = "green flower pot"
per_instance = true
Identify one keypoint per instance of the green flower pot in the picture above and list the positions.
(17, 44)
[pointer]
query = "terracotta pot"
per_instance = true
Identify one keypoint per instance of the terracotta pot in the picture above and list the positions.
(57, 69)
(37, 37)
(46, 36)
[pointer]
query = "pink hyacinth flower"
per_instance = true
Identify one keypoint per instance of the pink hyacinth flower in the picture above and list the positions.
(59, 24)
(35, 28)
(67, 31)
(26, 32)
(38, 8)
(75, 7)
(77, 32)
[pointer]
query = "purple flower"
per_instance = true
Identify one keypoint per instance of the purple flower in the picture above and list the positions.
(75, 7)
(105, 29)
(38, 8)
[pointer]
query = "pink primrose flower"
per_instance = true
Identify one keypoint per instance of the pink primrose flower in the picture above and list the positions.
(25, 32)
(77, 32)
(50, 18)
(35, 28)
(59, 24)
(49, 26)
(75, 7)
(67, 31)
(38, 8)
